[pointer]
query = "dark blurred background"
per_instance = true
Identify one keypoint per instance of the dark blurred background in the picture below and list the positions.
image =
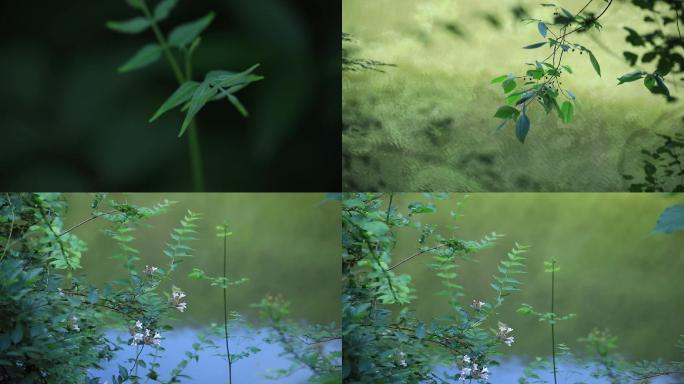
(70, 122)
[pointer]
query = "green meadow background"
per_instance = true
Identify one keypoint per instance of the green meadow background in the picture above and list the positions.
(286, 244)
(614, 272)
(427, 124)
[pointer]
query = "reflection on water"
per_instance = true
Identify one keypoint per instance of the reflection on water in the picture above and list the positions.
(211, 368)
(510, 371)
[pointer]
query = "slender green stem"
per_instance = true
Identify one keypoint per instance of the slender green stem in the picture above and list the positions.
(195, 158)
(553, 320)
(162, 42)
(193, 139)
(225, 303)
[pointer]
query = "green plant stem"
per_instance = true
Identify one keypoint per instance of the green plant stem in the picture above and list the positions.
(553, 320)
(195, 158)
(193, 139)
(225, 304)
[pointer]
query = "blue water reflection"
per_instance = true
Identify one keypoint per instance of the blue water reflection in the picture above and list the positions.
(211, 368)
(510, 371)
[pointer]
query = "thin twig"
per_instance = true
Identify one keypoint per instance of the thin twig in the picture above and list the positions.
(416, 255)
(86, 221)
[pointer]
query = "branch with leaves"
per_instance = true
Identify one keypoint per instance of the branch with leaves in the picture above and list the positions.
(542, 82)
(179, 46)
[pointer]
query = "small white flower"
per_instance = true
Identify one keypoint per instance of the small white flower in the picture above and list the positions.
(402, 363)
(137, 339)
(150, 269)
(138, 324)
(76, 328)
(181, 306)
(509, 340)
(466, 359)
(465, 372)
(156, 340)
(477, 305)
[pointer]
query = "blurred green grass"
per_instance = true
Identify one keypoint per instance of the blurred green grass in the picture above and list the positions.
(285, 244)
(428, 123)
(614, 273)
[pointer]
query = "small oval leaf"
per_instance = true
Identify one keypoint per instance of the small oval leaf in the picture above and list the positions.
(522, 127)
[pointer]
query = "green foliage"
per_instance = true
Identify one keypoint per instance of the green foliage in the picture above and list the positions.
(542, 82)
(53, 321)
(661, 45)
(304, 345)
(184, 39)
(383, 341)
(663, 167)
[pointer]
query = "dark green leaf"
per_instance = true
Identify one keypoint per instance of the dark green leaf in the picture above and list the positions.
(135, 3)
(162, 10)
(507, 112)
(535, 45)
(594, 63)
(200, 97)
(135, 25)
(508, 85)
(180, 96)
(632, 76)
(630, 57)
(568, 13)
(145, 56)
(522, 127)
(184, 34)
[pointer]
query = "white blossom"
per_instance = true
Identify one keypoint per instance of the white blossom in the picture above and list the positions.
(150, 269)
(477, 305)
(466, 359)
(138, 324)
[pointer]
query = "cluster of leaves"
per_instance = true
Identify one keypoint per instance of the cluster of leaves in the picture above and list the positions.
(383, 341)
(356, 64)
(182, 41)
(663, 167)
(542, 81)
(53, 321)
(307, 346)
(659, 46)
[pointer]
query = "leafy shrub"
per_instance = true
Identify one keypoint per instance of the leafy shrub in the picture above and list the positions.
(383, 341)
(54, 321)
(542, 82)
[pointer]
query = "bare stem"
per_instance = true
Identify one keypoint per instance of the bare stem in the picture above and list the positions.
(225, 303)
